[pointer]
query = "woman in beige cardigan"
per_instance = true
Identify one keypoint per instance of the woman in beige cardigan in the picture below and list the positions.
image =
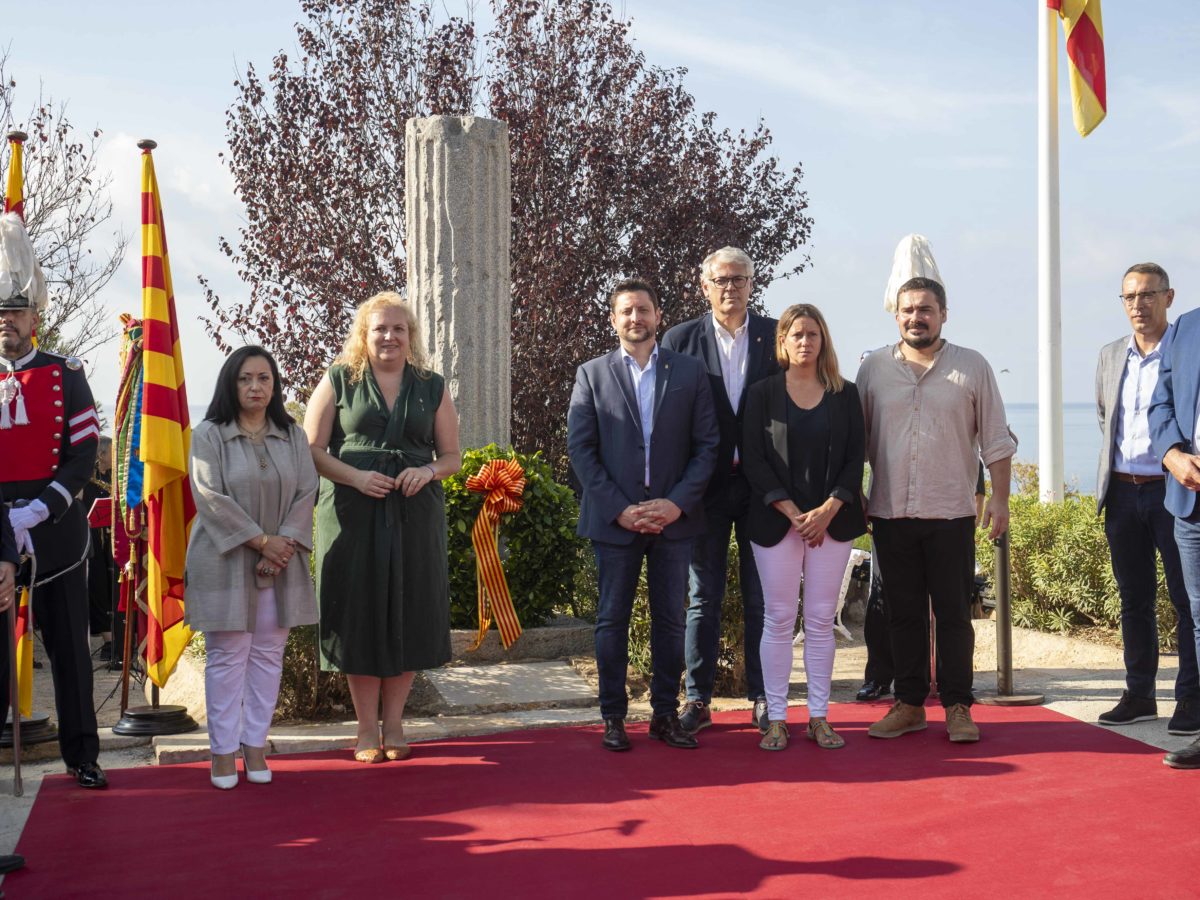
(248, 581)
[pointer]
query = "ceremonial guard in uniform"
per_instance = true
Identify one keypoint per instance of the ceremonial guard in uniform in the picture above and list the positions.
(49, 433)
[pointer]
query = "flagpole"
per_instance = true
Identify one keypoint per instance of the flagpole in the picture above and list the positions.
(1050, 402)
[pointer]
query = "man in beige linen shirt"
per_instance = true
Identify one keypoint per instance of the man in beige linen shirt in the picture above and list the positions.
(932, 409)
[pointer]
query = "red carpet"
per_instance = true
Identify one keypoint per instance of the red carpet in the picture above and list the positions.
(1043, 806)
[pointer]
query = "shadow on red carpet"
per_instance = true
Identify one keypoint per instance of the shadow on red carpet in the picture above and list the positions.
(1042, 806)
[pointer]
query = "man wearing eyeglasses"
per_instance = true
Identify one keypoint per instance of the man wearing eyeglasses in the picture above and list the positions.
(1175, 437)
(1131, 487)
(737, 347)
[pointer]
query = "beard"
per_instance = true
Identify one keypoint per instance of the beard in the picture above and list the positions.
(14, 345)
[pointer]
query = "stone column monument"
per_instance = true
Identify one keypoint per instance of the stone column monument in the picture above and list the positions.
(457, 215)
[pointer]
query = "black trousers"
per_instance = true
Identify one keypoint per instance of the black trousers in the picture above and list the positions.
(928, 561)
(60, 613)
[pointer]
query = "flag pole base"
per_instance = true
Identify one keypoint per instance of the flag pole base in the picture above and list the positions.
(35, 729)
(1010, 699)
(148, 721)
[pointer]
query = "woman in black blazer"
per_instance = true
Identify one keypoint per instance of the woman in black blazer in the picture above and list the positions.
(802, 453)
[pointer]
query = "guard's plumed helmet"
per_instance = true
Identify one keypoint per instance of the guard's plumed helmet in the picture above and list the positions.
(913, 259)
(22, 285)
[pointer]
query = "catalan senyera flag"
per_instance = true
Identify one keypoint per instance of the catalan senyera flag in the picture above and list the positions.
(165, 440)
(14, 190)
(24, 656)
(1085, 53)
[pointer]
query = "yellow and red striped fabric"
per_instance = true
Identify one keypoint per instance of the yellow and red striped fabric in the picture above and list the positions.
(14, 191)
(24, 656)
(166, 436)
(1085, 51)
(502, 482)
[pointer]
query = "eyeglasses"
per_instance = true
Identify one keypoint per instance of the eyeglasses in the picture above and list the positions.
(737, 281)
(1141, 296)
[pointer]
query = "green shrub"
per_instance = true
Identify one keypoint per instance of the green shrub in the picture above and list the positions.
(538, 544)
(1060, 564)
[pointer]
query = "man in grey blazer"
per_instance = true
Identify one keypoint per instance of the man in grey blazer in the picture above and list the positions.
(642, 439)
(737, 348)
(1131, 488)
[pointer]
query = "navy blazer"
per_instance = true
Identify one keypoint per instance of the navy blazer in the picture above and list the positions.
(765, 461)
(604, 442)
(1173, 409)
(696, 338)
(8, 540)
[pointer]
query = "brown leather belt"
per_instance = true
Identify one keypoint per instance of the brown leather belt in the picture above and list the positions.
(1137, 479)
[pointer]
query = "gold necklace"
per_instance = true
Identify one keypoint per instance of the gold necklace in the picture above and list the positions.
(256, 443)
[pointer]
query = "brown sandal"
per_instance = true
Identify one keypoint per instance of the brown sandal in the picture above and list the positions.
(822, 732)
(775, 738)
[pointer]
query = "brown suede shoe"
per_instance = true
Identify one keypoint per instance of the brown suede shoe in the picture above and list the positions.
(901, 719)
(959, 725)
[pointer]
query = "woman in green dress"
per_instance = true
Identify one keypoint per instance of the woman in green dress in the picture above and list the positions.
(384, 432)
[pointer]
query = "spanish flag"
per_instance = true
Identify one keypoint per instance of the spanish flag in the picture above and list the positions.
(166, 436)
(14, 191)
(1085, 51)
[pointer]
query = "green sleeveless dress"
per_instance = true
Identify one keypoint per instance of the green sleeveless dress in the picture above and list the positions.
(381, 564)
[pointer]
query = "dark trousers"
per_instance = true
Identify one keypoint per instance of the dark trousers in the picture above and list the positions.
(876, 637)
(1137, 524)
(929, 561)
(60, 613)
(725, 512)
(618, 568)
(1187, 537)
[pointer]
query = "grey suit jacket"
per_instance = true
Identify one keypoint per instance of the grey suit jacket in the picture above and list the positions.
(605, 445)
(1110, 370)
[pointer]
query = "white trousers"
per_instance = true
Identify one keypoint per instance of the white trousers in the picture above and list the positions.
(780, 568)
(241, 679)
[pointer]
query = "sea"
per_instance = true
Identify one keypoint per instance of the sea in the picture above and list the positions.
(1081, 438)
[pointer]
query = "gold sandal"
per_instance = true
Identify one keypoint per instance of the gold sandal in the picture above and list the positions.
(397, 751)
(822, 732)
(369, 755)
(775, 738)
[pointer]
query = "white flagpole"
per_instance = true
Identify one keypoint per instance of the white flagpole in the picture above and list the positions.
(1050, 402)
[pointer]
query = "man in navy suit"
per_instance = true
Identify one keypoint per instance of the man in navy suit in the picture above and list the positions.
(1175, 437)
(642, 438)
(737, 348)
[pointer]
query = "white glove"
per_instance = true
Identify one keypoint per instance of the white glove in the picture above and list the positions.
(24, 541)
(29, 516)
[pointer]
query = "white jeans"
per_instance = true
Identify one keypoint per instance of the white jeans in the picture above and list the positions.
(780, 569)
(241, 679)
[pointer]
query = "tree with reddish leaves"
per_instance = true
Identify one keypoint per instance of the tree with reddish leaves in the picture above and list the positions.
(614, 174)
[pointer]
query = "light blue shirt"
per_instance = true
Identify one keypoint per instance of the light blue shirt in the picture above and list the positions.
(1133, 453)
(643, 389)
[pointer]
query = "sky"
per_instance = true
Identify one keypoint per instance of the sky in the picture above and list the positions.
(907, 116)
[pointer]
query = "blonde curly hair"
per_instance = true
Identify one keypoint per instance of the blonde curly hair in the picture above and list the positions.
(354, 351)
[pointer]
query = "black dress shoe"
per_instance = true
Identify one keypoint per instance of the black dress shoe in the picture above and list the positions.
(1187, 758)
(758, 718)
(873, 690)
(89, 775)
(11, 863)
(668, 730)
(615, 737)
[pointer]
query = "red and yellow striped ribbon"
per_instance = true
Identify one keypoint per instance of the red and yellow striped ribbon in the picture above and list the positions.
(502, 481)
(24, 656)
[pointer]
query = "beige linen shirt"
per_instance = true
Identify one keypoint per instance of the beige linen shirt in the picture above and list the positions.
(925, 435)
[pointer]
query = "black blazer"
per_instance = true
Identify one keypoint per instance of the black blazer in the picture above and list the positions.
(765, 461)
(695, 338)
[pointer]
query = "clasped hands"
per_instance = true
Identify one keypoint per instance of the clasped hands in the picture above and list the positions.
(811, 525)
(1184, 466)
(276, 552)
(649, 516)
(408, 482)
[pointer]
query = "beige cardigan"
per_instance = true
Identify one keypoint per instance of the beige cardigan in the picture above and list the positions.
(221, 594)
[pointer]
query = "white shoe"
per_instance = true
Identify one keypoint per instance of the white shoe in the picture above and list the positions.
(256, 776)
(224, 782)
